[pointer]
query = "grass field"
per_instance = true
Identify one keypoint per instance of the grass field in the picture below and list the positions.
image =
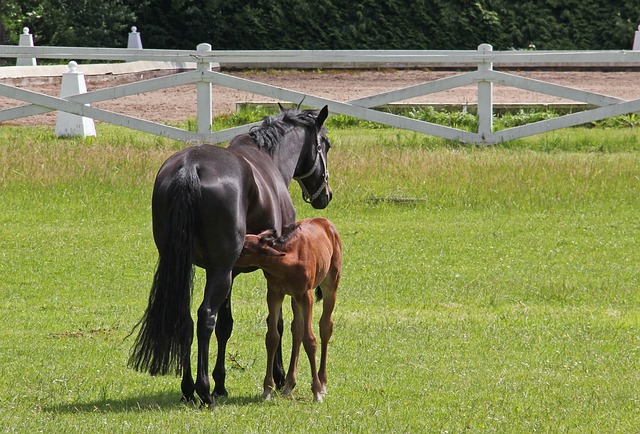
(484, 289)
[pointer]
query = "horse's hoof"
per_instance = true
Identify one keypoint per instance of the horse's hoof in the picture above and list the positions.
(279, 378)
(220, 393)
(266, 395)
(207, 405)
(280, 382)
(188, 400)
(317, 397)
(207, 402)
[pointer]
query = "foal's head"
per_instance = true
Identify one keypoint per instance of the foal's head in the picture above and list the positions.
(265, 245)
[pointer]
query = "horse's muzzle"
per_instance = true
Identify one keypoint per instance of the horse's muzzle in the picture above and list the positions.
(322, 201)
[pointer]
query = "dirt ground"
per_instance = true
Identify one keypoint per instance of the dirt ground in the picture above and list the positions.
(179, 103)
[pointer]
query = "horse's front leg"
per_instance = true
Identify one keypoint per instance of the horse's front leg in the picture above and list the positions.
(216, 292)
(224, 327)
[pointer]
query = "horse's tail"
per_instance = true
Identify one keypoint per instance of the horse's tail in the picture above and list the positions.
(166, 329)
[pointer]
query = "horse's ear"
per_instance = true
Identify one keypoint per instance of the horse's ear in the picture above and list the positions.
(322, 116)
(281, 108)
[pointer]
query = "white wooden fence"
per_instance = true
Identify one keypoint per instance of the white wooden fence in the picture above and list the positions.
(482, 74)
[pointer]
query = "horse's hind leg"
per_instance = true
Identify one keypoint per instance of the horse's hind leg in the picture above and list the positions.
(224, 327)
(326, 330)
(187, 385)
(216, 292)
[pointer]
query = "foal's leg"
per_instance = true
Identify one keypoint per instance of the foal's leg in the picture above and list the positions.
(310, 344)
(278, 369)
(272, 339)
(224, 326)
(296, 333)
(216, 292)
(278, 363)
(326, 330)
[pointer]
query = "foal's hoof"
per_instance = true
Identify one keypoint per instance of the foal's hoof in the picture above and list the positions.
(288, 387)
(317, 397)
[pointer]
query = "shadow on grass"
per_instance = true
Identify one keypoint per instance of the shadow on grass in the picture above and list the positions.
(140, 404)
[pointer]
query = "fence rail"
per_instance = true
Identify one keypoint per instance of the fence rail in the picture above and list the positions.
(483, 76)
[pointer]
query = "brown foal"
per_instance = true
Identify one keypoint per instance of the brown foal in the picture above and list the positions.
(308, 255)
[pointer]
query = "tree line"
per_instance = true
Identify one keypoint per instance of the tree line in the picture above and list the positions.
(326, 24)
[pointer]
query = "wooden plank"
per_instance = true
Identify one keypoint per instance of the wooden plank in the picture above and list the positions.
(343, 108)
(352, 57)
(485, 76)
(434, 86)
(103, 94)
(566, 121)
(551, 89)
(80, 109)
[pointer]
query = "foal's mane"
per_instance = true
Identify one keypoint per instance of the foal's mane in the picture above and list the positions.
(287, 233)
(273, 128)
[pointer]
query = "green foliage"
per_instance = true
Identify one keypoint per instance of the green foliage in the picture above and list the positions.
(394, 24)
(327, 24)
(457, 119)
(83, 23)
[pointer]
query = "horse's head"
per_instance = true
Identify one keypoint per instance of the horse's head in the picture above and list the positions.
(312, 172)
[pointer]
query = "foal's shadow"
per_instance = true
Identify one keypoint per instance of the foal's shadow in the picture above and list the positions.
(142, 404)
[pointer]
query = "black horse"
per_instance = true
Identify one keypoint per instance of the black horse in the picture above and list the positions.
(205, 200)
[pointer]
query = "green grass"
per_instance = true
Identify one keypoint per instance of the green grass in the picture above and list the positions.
(503, 298)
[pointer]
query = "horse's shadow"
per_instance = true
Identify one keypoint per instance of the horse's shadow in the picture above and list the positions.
(145, 403)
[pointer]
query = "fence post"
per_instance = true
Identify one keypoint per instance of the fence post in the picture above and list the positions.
(69, 124)
(485, 95)
(203, 88)
(134, 38)
(26, 40)
(636, 40)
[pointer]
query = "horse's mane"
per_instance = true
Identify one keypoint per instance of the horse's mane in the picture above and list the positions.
(268, 134)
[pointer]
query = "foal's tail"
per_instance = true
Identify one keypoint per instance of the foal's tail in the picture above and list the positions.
(166, 329)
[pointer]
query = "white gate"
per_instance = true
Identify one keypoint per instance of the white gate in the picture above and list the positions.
(483, 76)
